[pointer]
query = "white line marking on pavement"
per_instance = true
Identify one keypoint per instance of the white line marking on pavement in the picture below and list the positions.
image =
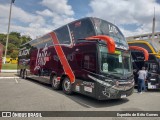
(16, 80)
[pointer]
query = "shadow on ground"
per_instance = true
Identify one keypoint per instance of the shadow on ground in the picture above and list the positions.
(83, 100)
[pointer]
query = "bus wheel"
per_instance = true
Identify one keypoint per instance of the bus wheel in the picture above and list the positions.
(66, 86)
(55, 83)
(24, 74)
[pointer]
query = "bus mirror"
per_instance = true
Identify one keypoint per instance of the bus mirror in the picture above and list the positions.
(146, 54)
(110, 42)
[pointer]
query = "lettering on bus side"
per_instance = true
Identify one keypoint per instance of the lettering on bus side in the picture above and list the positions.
(24, 52)
(112, 29)
(41, 57)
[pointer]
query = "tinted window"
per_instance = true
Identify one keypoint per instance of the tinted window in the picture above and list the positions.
(81, 29)
(105, 28)
(37, 43)
(119, 63)
(137, 55)
(141, 45)
(152, 57)
(63, 35)
(89, 62)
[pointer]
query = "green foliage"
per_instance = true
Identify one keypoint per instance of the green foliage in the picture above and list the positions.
(11, 48)
(16, 34)
(14, 42)
(14, 54)
(9, 66)
(25, 39)
(3, 38)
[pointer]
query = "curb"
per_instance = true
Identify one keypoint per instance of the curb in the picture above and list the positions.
(9, 77)
(8, 71)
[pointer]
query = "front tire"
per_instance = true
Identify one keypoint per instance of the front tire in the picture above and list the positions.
(55, 83)
(67, 86)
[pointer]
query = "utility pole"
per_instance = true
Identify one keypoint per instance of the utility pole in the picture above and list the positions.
(153, 27)
(12, 1)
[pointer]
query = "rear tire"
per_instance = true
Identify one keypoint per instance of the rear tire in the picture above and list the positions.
(67, 86)
(55, 83)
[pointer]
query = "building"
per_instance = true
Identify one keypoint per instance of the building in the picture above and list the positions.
(145, 37)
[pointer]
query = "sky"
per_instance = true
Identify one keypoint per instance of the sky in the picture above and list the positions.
(35, 18)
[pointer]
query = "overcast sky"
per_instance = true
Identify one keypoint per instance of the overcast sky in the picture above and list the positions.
(37, 17)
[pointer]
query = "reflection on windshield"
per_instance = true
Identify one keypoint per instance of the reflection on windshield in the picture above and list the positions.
(118, 63)
(106, 28)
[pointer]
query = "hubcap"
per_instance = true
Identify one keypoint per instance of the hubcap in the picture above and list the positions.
(54, 82)
(67, 85)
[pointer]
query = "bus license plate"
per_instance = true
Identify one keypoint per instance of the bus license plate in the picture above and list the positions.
(87, 89)
(151, 86)
(123, 96)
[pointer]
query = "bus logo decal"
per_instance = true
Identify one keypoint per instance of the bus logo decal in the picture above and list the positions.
(41, 57)
(62, 57)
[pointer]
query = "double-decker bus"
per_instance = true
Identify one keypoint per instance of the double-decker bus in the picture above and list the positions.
(152, 64)
(89, 56)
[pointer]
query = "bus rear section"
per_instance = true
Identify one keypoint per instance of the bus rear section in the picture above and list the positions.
(93, 64)
(152, 64)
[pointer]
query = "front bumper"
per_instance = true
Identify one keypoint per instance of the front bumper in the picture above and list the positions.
(112, 93)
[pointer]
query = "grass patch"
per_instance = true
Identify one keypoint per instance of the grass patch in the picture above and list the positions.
(9, 66)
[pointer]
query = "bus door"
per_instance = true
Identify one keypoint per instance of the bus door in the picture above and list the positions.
(139, 58)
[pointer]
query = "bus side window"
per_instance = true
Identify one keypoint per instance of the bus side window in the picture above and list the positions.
(63, 35)
(89, 62)
(82, 29)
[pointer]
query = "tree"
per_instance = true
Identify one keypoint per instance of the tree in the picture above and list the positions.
(11, 48)
(14, 42)
(25, 39)
(14, 54)
(16, 34)
(3, 38)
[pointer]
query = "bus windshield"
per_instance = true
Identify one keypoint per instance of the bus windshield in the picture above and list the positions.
(116, 64)
(103, 27)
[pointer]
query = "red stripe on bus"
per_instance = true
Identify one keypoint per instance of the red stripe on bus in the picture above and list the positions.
(62, 57)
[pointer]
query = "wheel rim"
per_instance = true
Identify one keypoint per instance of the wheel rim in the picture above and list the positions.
(54, 82)
(67, 85)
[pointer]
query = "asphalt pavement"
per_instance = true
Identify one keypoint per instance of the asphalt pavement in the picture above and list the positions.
(28, 95)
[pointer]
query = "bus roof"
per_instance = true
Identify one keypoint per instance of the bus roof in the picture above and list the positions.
(97, 26)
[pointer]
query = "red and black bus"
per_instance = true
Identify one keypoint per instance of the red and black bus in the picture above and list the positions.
(88, 56)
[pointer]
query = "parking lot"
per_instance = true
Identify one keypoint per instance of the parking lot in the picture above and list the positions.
(29, 95)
